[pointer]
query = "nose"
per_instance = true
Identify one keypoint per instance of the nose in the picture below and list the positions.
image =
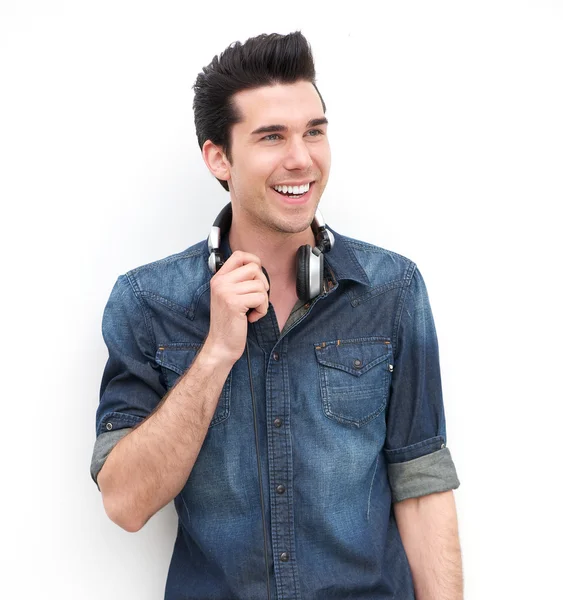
(297, 156)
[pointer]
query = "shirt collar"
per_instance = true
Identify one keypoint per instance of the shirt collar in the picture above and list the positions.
(343, 262)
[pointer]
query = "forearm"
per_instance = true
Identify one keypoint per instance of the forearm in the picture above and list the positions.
(150, 465)
(429, 531)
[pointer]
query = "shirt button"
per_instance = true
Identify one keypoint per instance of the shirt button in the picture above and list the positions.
(280, 489)
(284, 556)
(357, 363)
(278, 422)
(109, 426)
(275, 356)
(443, 446)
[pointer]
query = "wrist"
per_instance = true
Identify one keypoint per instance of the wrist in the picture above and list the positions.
(216, 356)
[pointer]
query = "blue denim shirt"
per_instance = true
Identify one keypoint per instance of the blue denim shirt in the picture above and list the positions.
(350, 415)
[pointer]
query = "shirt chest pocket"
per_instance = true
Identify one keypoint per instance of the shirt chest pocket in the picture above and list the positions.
(176, 359)
(355, 376)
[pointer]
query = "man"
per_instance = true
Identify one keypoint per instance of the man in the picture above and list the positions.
(295, 418)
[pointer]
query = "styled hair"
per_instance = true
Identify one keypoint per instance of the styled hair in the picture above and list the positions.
(264, 60)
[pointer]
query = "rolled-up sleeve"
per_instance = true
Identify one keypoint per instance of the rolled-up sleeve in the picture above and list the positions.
(419, 463)
(131, 385)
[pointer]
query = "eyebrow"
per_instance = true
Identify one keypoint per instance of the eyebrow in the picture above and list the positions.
(278, 128)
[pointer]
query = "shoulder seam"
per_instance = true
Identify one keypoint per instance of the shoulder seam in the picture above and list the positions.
(144, 307)
(173, 258)
(401, 303)
(373, 248)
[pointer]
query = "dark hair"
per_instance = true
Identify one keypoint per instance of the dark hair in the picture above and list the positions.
(263, 60)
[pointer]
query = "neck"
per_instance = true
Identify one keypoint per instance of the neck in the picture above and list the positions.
(276, 250)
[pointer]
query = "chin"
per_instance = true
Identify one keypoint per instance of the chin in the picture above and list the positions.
(295, 224)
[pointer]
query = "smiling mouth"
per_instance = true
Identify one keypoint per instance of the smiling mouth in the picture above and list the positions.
(293, 191)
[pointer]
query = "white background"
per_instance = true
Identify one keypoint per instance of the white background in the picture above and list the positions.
(447, 135)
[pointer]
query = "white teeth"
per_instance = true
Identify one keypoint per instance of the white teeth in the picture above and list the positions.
(294, 190)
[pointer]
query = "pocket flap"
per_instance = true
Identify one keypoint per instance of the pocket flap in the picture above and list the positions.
(353, 356)
(177, 357)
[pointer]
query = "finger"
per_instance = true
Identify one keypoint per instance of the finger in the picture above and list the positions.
(248, 272)
(258, 312)
(249, 287)
(257, 301)
(238, 259)
(243, 273)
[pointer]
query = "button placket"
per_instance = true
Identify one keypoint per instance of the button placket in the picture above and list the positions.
(280, 468)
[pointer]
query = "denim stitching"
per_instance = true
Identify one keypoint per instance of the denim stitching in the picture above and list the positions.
(401, 303)
(355, 341)
(371, 484)
(186, 507)
(325, 387)
(168, 303)
(377, 291)
(353, 372)
(293, 548)
(421, 444)
(373, 248)
(144, 308)
(354, 259)
(197, 297)
(175, 257)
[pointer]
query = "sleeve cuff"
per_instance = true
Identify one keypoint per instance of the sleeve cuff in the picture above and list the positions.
(434, 472)
(105, 443)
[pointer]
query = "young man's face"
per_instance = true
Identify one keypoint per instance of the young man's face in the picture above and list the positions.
(281, 140)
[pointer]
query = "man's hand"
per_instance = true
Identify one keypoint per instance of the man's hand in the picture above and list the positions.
(238, 287)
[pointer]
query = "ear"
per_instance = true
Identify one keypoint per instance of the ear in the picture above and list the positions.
(216, 160)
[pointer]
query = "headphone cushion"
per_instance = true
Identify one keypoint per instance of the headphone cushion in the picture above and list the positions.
(302, 259)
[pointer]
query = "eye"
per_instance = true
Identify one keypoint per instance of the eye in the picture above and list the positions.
(315, 132)
(272, 137)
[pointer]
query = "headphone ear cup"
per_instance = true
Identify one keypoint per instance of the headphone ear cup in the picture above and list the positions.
(215, 261)
(302, 259)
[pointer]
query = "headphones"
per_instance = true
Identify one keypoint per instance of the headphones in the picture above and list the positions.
(309, 261)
